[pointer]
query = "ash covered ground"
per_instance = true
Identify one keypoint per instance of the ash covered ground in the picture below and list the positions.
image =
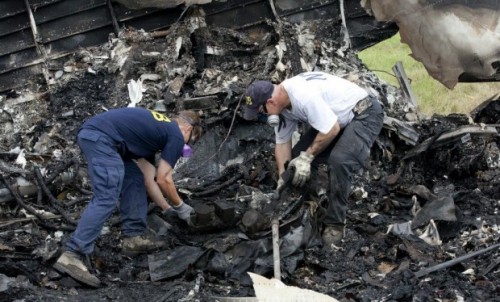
(441, 173)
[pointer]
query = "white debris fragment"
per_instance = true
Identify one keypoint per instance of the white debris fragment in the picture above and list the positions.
(135, 91)
(21, 159)
(178, 45)
(16, 150)
(469, 272)
(90, 70)
(57, 154)
(120, 52)
(150, 77)
(151, 54)
(216, 51)
(105, 230)
(44, 214)
(359, 193)
(400, 228)
(280, 50)
(267, 290)
(431, 234)
(459, 297)
(69, 68)
(416, 206)
(58, 235)
(58, 74)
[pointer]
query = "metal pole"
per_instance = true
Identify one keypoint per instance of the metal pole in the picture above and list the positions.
(116, 27)
(347, 39)
(452, 262)
(276, 248)
(38, 42)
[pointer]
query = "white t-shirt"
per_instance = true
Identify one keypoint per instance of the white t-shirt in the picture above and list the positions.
(319, 99)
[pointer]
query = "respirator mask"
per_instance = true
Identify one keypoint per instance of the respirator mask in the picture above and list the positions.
(273, 120)
(276, 120)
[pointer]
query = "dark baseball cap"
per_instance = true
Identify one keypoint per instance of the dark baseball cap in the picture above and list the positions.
(257, 95)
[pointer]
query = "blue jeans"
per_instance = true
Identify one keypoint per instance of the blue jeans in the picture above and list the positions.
(115, 182)
(346, 155)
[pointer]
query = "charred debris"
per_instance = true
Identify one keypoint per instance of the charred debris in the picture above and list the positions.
(423, 220)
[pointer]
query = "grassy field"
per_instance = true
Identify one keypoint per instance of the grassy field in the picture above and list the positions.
(432, 96)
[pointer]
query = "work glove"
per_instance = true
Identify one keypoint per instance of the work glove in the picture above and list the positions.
(184, 211)
(302, 164)
(168, 213)
(281, 183)
(275, 195)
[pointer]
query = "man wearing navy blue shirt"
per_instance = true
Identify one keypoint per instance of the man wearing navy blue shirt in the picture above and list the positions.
(111, 142)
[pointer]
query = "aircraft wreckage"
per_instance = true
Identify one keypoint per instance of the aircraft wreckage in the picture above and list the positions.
(422, 223)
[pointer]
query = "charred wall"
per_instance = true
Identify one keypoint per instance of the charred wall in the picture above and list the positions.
(36, 34)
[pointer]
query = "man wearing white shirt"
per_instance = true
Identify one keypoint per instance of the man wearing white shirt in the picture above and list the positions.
(344, 122)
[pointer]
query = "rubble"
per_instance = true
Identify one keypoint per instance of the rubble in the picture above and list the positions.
(434, 180)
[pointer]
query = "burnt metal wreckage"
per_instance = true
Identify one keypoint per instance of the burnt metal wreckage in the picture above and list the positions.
(422, 223)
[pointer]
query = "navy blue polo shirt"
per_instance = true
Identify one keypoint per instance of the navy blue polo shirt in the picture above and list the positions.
(140, 132)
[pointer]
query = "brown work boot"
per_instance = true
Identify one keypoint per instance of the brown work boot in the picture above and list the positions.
(71, 263)
(133, 246)
(332, 236)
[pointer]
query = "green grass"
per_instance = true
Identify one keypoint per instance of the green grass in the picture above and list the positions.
(432, 96)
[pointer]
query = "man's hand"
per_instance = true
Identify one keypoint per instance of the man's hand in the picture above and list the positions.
(302, 164)
(184, 211)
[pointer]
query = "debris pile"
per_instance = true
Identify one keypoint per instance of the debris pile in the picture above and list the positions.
(431, 194)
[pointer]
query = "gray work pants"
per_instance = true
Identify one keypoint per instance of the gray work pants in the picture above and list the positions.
(346, 155)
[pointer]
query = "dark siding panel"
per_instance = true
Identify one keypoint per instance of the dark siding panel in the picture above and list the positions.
(11, 8)
(122, 13)
(218, 7)
(156, 20)
(14, 23)
(69, 44)
(65, 8)
(18, 59)
(241, 16)
(16, 42)
(35, 4)
(74, 24)
(13, 80)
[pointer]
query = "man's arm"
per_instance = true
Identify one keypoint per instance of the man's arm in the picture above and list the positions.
(321, 141)
(154, 191)
(165, 181)
(282, 153)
